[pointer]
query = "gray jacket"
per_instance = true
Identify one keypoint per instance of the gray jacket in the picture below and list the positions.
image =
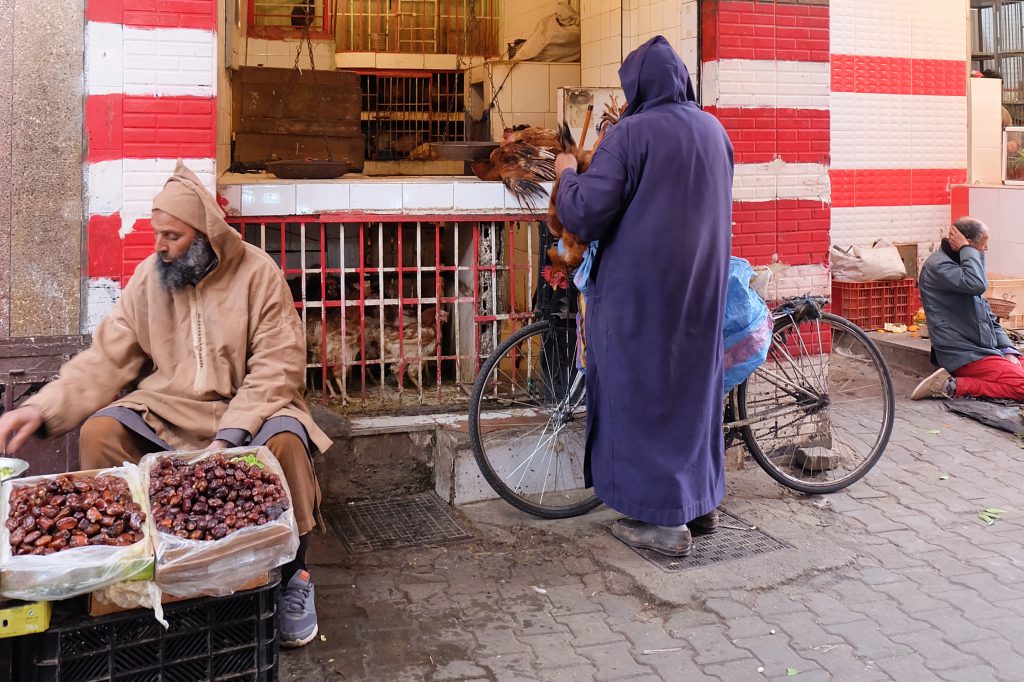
(960, 321)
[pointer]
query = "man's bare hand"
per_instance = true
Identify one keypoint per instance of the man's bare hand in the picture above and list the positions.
(564, 162)
(957, 240)
(16, 426)
(219, 445)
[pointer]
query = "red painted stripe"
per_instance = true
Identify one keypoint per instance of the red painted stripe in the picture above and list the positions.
(898, 76)
(797, 231)
(760, 30)
(960, 204)
(901, 187)
(138, 246)
(104, 246)
(133, 127)
(760, 135)
(200, 14)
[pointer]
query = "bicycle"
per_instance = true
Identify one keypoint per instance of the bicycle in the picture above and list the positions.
(528, 407)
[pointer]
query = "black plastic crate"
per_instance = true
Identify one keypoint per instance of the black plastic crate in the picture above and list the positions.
(210, 639)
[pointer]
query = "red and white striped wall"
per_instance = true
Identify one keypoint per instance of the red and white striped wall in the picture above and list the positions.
(899, 118)
(150, 72)
(766, 77)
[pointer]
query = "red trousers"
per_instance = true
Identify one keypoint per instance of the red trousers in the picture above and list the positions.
(991, 377)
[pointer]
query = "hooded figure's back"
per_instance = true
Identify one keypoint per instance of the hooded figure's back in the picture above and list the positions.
(658, 196)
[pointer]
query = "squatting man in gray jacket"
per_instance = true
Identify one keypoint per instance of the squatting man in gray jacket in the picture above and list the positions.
(975, 356)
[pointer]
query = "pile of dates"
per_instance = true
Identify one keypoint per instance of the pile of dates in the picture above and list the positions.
(212, 498)
(73, 511)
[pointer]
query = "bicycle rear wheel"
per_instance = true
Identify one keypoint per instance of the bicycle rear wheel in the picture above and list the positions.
(527, 422)
(820, 411)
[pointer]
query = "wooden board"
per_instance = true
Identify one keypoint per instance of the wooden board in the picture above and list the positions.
(259, 148)
(283, 101)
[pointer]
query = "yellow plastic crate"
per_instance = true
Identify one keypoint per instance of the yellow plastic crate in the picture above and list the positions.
(24, 619)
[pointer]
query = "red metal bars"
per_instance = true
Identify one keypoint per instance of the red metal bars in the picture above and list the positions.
(383, 307)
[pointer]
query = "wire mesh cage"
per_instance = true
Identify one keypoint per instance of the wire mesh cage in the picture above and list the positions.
(402, 112)
(418, 26)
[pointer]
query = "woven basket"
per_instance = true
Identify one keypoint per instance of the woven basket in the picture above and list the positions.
(1001, 307)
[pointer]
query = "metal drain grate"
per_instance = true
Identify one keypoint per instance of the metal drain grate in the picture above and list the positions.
(397, 522)
(725, 545)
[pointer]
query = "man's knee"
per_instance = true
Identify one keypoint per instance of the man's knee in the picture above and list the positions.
(105, 442)
(287, 445)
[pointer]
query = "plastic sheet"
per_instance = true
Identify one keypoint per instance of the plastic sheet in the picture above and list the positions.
(193, 568)
(747, 330)
(73, 572)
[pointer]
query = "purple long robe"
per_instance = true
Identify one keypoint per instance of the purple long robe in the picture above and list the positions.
(658, 196)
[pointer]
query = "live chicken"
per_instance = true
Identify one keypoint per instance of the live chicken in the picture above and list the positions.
(410, 344)
(343, 346)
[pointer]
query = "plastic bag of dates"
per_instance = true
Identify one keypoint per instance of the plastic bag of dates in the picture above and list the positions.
(222, 518)
(64, 535)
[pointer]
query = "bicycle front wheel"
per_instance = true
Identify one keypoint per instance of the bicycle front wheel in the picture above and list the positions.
(818, 414)
(527, 422)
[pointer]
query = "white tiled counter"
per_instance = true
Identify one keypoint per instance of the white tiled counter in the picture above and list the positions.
(267, 195)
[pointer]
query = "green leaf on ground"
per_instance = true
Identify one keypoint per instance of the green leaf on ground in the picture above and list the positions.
(995, 512)
(934, 432)
(792, 672)
(944, 477)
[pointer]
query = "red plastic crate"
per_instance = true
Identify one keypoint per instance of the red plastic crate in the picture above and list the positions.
(869, 305)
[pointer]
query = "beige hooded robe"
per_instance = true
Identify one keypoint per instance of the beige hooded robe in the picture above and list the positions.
(227, 353)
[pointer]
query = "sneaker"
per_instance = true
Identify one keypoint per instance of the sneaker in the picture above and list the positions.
(670, 542)
(298, 612)
(704, 525)
(935, 386)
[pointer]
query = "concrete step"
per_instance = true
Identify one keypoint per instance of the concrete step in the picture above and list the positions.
(905, 353)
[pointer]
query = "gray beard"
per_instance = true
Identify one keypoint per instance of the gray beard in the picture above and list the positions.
(190, 268)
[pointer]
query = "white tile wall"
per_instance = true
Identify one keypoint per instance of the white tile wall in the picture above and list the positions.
(428, 195)
(898, 131)
(280, 54)
(986, 125)
(900, 224)
(267, 200)
(921, 29)
(317, 197)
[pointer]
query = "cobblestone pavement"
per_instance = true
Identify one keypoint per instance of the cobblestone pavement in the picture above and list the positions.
(894, 579)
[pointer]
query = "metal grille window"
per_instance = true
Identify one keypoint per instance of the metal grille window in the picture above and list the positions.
(401, 312)
(467, 27)
(401, 111)
(287, 18)
(998, 43)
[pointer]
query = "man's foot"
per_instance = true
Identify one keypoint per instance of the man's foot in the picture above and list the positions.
(670, 542)
(937, 385)
(298, 612)
(704, 525)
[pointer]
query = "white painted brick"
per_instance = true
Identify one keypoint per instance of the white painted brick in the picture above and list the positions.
(142, 179)
(762, 83)
(233, 195)
(780, 180)
(104, 58)
(102, 295)
(104, 188)
(154, 63)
